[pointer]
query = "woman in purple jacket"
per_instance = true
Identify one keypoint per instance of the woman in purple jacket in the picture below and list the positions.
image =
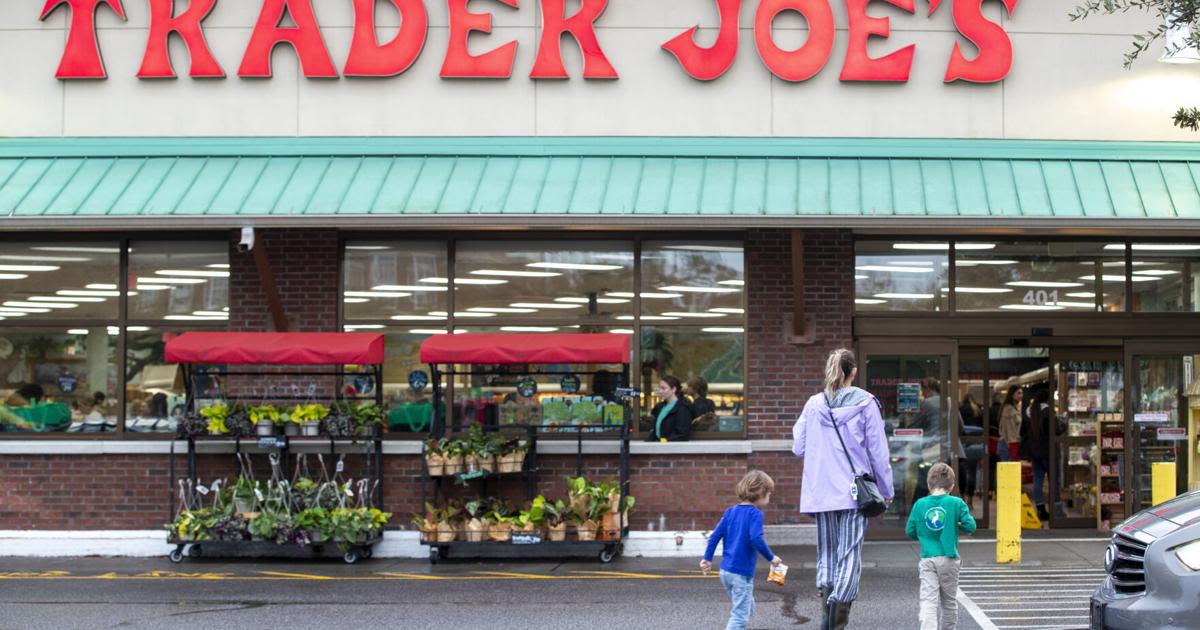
(825, 488)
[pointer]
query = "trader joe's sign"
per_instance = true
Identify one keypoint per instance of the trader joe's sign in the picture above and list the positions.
(294, 22)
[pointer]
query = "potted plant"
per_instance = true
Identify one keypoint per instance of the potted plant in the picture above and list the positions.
(530, 521)
(368, 419)
(237, 421)
(265, 418)
(556, 515)
(315, 521)
(306, 416)
(454, 456)
(587, 517)
(245, 495)
(427, 523)
(513, 461)
(499, 527)
(578, 493)
(216, 414)
(435, 458)
(475, 528)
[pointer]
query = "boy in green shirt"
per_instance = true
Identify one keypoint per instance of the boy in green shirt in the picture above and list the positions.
(935, 521)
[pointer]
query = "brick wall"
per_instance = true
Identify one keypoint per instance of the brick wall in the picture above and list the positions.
(305, 265)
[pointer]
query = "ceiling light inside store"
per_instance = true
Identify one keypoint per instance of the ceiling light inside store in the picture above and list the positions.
(19, 268)
(353, 327)
(515, 273)
(368, 248)
(1115, 278)
(731, 311)
(705, 248)
(13, 276)
(1155, 272)
(1080, 294)
(1155, 247)
(154, 287)
(894, 269)
(211, 313)
(977, 290)
(544, 305)
(102, 287)
(723, 330)
(1073, 304)
(154, 280)
(41, 298)
(408, 287)
(1030, 307)
(218, 266)
(904, 296)
(652, 318)
(194, 318)
(28, 305)
(462, 281)
(529, 328)
(91, 292)
(418, 318)
(733, 283)
(113, 330)
(923, 247)
(583, 300)
(77, 331)
(473, 314)
(977, 263)
(500, 309)
(201, 273)
(621, 331)
(1044, 285)
(138, 328)
(14, 312)
(88, 250)
(689, 289)
(427, 331)
(868, 301)
(645, 295)
(377, 294)
(45, 258)
(355, 300)
(685, 314)
(574, 266)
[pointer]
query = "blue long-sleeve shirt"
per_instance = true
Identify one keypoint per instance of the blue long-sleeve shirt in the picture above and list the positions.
(741, 528)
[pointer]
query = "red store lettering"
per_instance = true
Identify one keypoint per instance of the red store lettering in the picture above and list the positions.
(368, 57)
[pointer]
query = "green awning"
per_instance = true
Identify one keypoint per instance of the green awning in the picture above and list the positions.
(605, 181)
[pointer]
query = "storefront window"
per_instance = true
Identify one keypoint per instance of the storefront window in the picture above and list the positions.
(708, 362)
(179, 281)
(1039, 276)
(907, 276)
(701, 281)
(407, 389)
(56, 281)
(546, 280)
(59, 380)
(1166, 277)
(1164, 424)
(155, 396)
(400, 280)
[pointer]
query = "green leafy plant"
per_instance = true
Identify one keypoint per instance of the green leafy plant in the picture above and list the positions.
(259, 413)
(311, 412)
(216, 414)
(556, 513)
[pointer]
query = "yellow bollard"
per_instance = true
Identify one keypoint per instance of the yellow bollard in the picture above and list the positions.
(1163, 482)
(1008, 512)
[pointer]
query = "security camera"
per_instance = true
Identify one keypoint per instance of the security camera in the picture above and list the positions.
(247, 242)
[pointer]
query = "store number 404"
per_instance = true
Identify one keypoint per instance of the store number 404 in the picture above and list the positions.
(1040, 297)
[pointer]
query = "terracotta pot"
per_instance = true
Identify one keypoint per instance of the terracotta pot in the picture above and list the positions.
(614, 502)
(436, 463)
(557, 533)
(610, 528)
(445, 532)
(475, 530)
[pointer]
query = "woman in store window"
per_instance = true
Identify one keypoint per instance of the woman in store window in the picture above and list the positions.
(704, 409)
(1010, 424)
(1035, 446)
(671, 418)
(840, 425)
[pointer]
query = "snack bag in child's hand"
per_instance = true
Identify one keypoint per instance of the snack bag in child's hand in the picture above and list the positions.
(778, 574)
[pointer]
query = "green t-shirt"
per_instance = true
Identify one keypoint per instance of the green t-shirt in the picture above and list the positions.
(935, 521)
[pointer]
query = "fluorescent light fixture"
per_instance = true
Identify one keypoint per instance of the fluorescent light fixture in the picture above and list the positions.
(352, 327)
(194, 318)
(685, 314)
(733, 283)
(473, 314)
(977, 263)
(859, 276)
(1080, 294)
(500, 309)
(645, 295)
(583, 300)
(45, 258)
(1155, 247)
(137, 328)
(211, 313)
(462, 281)
(87, 250)
(1045, 284)
(574, 267)
(200, 273)
(154, 280)
(102, 287)
(868, 301)
(12, 312)
(41, 298)
(28, 305)
(377, 294)
(529, 328)
(647, 318)
(1155, 272)
(621, 331)
(687, 289)
(368, 248)
(89, 292)
(1115, 278)
(544, 305)
(407, 287)
(705, 248)
(418, 318)
(1030, 307)
(13, 276)
(77, 331)
(894, 268)
(977, 290)
(154, 287)
(19, 268)
(218, 266)
(922, 247)
(428, 331)
(1073, 304)
(355, 300)
(731, 311)
(516, 273)
(904, 296)
(723, 330)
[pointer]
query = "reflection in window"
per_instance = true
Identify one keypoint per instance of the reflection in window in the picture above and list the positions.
(179, 281)
(59, 381)
(407, 391)
(405, 281)
(901, 276)
(528, 280)
(701, 281)
(1039, 276)
(1165, 277)
(708, 362)
(155, 397)
(55, 281)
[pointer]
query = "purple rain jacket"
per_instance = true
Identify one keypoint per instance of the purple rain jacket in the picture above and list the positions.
(827, 478)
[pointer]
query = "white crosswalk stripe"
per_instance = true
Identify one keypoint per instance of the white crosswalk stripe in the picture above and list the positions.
(1001, 598)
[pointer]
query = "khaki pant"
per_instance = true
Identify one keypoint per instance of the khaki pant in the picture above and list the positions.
(939, 593)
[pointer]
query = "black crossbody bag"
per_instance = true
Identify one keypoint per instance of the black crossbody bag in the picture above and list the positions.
(866, 491)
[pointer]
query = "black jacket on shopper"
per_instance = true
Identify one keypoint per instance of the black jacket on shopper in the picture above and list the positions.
(677, 426)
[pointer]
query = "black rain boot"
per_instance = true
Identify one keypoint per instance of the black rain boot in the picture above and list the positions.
(823, 595)
(839, 615)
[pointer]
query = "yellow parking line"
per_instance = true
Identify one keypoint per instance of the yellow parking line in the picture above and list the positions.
(379, 577)
(523, 576)
(302, 576)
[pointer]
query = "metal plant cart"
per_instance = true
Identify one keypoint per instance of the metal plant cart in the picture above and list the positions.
(334, 352)
(481, 354)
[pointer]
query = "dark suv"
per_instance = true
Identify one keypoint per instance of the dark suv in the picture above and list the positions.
(1153, 565)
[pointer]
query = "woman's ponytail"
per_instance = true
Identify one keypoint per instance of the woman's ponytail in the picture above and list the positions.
(838, 368)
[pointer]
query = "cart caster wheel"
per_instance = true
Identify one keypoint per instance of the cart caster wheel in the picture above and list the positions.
(351, 557)
(434, 556)
(607, 554)
(367, 552)
(176, 556)
(195, 551)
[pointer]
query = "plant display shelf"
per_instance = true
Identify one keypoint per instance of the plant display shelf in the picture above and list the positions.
(334, 351)
(469, 355)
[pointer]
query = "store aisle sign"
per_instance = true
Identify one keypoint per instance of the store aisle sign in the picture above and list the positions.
(368, 57)
(1172, 433)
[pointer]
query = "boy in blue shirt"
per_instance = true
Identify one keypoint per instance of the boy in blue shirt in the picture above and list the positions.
(935, 520)
(742, 530)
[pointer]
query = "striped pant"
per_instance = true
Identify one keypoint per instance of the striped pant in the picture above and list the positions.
(839, 553)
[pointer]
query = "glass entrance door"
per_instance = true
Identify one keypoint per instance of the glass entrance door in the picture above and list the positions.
(1165, 417)
(1085, 433)
(914, 386)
